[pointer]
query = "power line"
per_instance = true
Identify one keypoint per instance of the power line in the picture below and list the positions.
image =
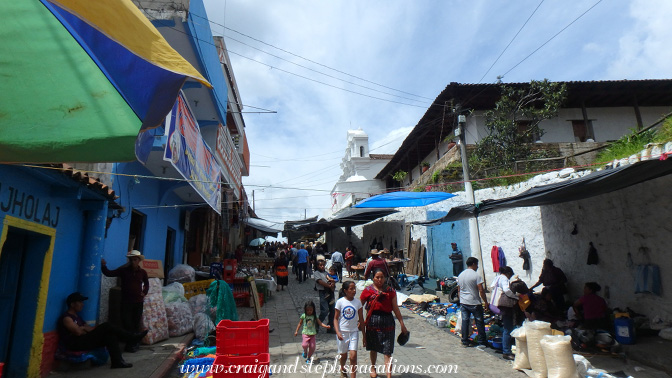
(306, 59)
(322, 73)
(510, 42)
(163, 24)
(553, 37)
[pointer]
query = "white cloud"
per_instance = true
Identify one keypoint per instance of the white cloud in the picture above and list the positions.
(417, 47)
(644, 49)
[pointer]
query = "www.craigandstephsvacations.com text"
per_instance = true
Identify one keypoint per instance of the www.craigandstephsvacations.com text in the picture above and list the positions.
(322, 369)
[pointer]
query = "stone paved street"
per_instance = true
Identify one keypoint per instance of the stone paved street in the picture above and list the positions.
(429, 346)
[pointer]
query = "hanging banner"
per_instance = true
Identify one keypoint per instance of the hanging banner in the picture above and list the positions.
(227, 156)
(190, 155)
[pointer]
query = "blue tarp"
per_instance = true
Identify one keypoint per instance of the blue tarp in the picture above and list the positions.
(404, 199)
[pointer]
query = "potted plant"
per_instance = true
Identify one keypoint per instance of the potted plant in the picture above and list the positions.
(425, 166)
(399, 176)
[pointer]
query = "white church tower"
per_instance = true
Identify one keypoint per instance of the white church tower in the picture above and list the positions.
(359, 169)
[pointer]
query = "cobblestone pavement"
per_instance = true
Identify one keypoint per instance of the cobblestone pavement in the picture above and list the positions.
(429, 347)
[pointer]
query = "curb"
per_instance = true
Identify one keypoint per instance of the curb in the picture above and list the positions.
(165, 367)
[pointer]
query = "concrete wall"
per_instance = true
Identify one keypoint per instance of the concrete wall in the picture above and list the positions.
(628, 227)
(608, 123)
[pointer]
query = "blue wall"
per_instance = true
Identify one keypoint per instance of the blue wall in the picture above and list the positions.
(138, 196)
(49, 188)
(438, 245)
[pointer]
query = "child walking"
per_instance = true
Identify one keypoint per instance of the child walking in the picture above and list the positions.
(348, 321)
(309, 319)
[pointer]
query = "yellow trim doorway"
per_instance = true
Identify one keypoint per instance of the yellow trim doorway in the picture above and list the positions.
(38, 336)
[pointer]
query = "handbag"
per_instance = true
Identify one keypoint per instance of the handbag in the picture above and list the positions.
(503, 300)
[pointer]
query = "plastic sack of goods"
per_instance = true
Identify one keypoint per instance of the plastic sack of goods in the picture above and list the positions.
(521, 361)
(558, 356)
(173, 293)
(180, 318)
(535, 331)
(154, 314)
(199, 303)
(202, 326)
(182, 273)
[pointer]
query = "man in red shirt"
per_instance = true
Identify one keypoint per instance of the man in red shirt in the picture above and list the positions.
(377, 261)
(134, 288)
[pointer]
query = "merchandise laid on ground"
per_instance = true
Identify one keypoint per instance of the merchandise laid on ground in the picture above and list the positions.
(223, 344)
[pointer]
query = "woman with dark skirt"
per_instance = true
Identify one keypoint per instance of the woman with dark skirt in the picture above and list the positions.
(281, 272)
(380, 301)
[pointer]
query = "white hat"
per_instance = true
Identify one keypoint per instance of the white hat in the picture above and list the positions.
(375, 252)
(136, 253)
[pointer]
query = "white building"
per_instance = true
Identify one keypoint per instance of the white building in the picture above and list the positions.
(359, 170)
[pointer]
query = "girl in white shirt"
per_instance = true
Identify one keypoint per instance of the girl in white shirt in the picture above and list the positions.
(348, 321)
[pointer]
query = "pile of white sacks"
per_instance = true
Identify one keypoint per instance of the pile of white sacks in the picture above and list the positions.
(550, 356)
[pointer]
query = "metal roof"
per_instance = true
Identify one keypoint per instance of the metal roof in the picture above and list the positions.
(435, 125)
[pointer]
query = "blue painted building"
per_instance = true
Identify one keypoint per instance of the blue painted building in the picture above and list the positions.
(51, 235)
(438, 244)
(57, 225)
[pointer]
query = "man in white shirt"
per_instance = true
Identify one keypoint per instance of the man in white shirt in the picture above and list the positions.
(337, 262)
(470, 287)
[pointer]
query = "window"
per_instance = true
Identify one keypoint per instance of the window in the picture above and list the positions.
(523, 130)
(582, 131)
(361, 151)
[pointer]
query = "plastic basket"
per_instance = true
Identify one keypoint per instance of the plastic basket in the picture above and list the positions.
(196, 288)
(242, 338)
(241, 366)
(242, 299)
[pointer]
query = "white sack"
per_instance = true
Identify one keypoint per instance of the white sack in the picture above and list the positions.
(558, 356)
(535, 331)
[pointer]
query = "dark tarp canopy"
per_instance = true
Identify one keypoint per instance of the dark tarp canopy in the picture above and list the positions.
(591, 185)
(263, 225)
(347, 218)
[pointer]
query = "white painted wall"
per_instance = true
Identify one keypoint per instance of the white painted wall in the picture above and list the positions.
(619, 224)
(608, 123)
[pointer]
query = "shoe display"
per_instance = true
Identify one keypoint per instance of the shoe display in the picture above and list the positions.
(121, 365)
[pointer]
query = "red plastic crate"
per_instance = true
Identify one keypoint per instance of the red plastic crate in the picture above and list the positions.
(242, 299)
(241, 366)
(242, 338)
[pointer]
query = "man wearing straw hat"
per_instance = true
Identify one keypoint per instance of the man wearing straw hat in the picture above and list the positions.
(134, 288)
(377, 261)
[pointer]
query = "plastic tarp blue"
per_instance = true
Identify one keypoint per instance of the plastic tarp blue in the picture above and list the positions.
(404, 199)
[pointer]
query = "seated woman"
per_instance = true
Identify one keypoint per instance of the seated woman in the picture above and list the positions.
(591, 308)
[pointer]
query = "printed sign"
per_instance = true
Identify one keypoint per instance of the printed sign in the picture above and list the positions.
(190, 155)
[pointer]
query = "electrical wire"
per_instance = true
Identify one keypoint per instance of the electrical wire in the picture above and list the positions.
(550, 39)
(510, 42)
(163, 24)
(325, 74)
(306, 59)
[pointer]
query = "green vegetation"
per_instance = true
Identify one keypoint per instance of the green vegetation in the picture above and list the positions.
(513, 124)
(635, 142)
(400, 176)
(627, 145)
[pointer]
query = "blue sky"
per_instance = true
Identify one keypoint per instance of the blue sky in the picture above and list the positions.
(413, 49)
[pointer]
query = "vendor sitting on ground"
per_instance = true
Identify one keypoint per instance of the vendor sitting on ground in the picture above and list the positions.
(543, 308)
(76, 335)
(591, 309)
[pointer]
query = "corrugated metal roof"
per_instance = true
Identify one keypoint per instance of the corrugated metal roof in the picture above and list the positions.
(435, 125)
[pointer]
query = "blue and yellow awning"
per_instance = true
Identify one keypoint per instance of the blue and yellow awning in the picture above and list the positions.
(81, 78)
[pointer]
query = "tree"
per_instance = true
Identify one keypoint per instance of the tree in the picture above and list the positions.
(514, 122)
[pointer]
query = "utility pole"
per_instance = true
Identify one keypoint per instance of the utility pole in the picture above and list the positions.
(474, 234)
